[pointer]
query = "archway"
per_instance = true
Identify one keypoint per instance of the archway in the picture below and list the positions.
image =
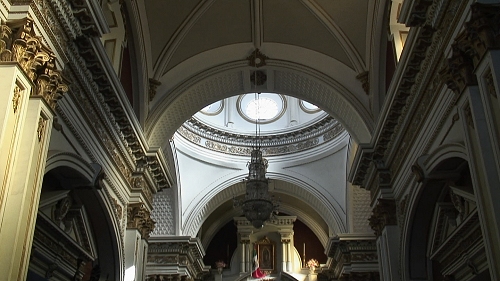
(75, 235)
(443, 215)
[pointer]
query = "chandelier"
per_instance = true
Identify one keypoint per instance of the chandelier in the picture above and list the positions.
(258, 205)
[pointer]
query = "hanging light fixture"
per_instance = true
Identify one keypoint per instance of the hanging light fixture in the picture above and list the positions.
(258, 205)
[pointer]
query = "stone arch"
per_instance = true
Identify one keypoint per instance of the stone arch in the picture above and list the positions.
(69, 178)
(234, 78)
(434, 172)
(227, 189)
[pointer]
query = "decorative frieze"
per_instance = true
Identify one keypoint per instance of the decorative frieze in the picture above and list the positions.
(225, 142)
(384, 214)
(138, 217)
(19, 43)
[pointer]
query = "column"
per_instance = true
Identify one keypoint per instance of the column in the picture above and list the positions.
(29, 88)
(250, 247)
(288, 257)
(383, 222)
(230, 109)
(243, 256)
(139, 226)
(283, 254)
(293, 105)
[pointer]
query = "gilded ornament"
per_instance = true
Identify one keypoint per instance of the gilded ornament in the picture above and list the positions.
(41, 128)
(23, 46)
(16, 100)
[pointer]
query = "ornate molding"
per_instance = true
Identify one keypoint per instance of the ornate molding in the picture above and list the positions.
(16, 99)
(229, 143)
(458, 72)
(383, 214)
(349, 252)
(19, 43)
(418, 12)
(481, 33)
(138, 217)
(257, 59)
(483, 29)
(41, 128)
(182, 255)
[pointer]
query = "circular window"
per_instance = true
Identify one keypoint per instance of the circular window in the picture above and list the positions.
(264, 107)
(309, 107)
(213, 109)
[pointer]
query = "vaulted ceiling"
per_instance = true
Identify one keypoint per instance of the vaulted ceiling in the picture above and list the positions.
(326, 52)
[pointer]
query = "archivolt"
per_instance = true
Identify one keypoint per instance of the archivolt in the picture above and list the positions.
(233, 78)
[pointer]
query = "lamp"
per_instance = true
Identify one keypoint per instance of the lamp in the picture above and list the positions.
(258, 204)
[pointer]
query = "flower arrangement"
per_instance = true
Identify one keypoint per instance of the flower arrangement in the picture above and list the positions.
(220, 264)
(312, 263)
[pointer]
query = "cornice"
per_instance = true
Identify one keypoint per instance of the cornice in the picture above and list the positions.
(211, 138)
(98, 90)
(413, 96)
(351, 251)
(181, 256)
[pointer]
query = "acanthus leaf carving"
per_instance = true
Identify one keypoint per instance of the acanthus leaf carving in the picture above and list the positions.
(138, 217)
(19, 43)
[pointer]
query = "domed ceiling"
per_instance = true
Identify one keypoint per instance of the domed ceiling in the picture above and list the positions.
(283, 124)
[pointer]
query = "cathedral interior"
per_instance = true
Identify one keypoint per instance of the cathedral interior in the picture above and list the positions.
(239, 140)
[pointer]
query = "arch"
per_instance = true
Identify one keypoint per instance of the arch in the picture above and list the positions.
(70, 173)
(444, 164)
(180, 103)
(227, 189)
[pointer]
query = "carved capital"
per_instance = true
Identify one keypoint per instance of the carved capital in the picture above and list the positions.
(483, 29)
(383, 214)
(138, 217)
(19, 43)
(458, 71)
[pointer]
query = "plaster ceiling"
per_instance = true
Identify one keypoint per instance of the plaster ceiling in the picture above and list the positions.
(182, 29)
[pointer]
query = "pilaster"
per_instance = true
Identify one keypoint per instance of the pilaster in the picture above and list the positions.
(139, 227)
(473, 71)
(384, 223)
(30, 88)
